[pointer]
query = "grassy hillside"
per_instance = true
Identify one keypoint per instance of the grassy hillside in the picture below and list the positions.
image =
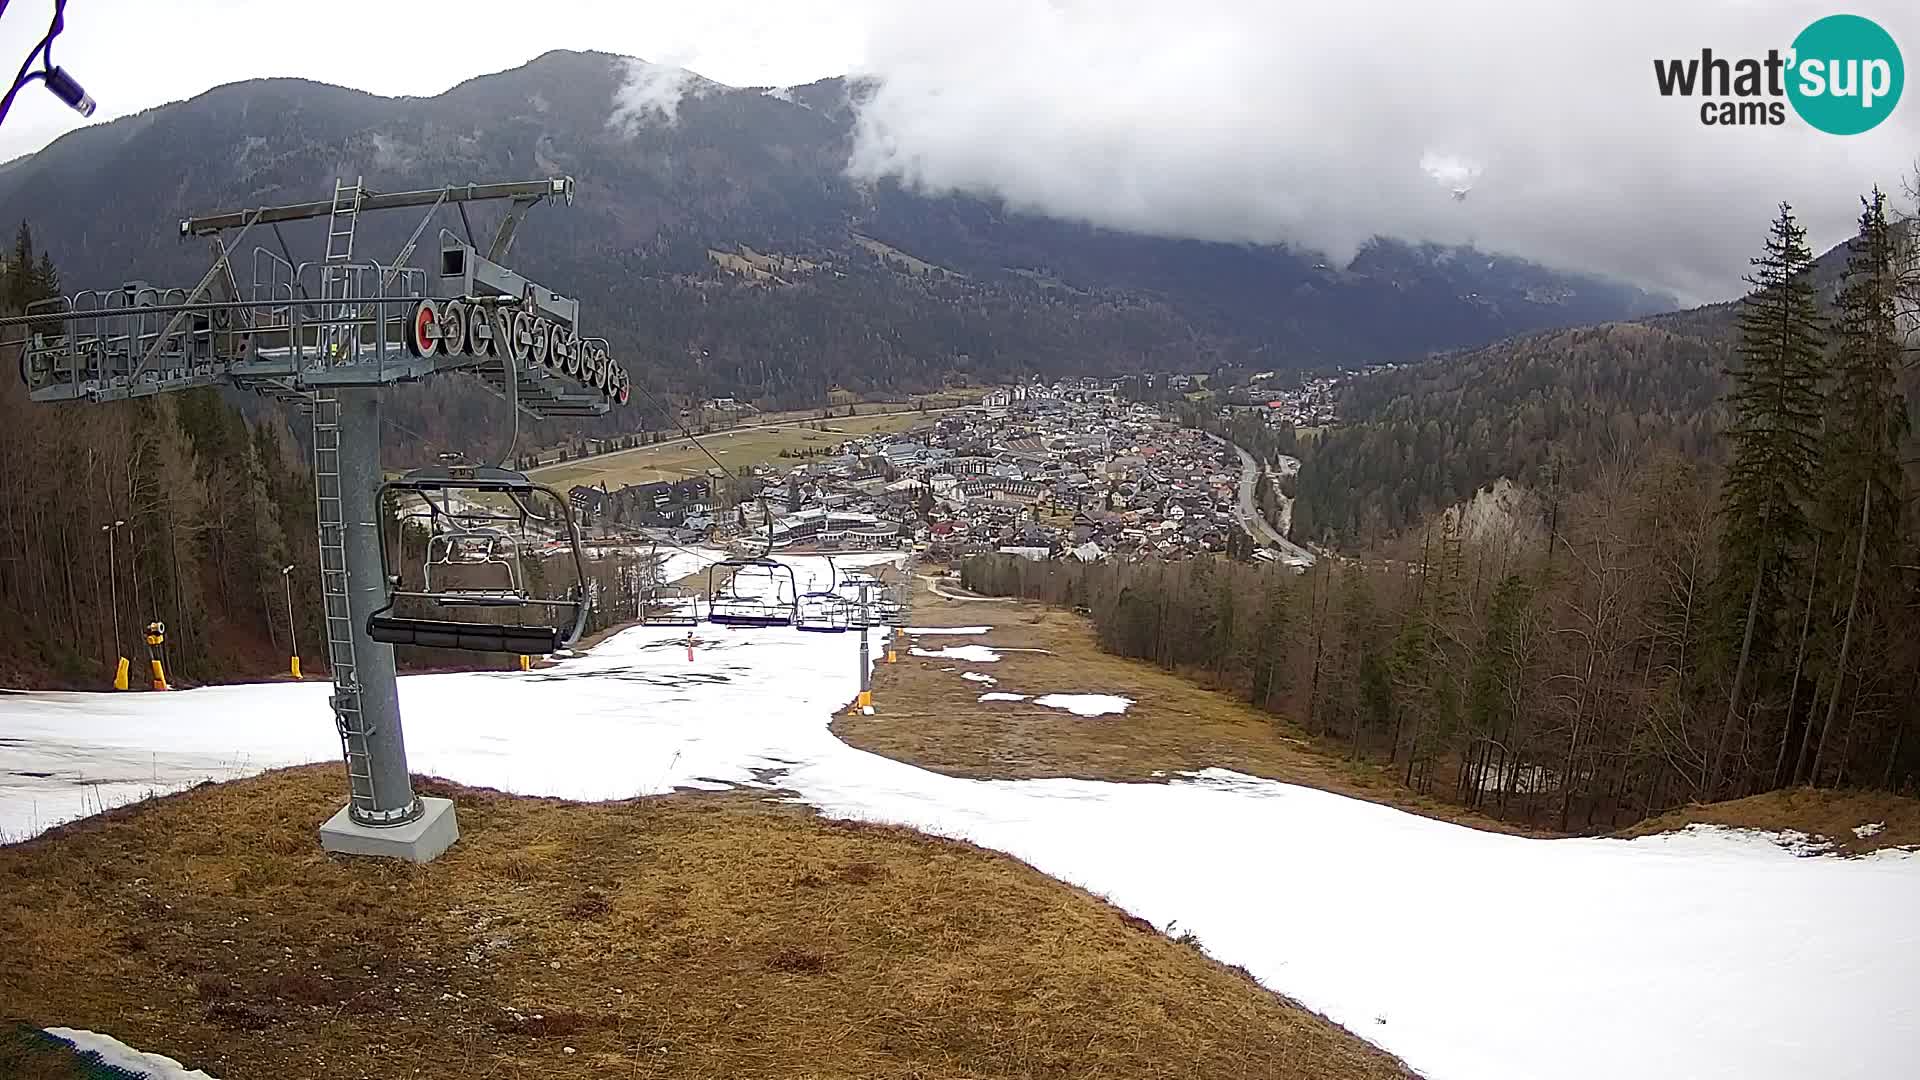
(931, 717)
(1845, 819)
(700, 936)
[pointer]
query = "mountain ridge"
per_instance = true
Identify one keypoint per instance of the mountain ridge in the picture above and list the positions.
(1014, 294)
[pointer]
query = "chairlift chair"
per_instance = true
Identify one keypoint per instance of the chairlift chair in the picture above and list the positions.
(848, 585)
(824, 612)
(670, 605)
(486, 528)
(730, 605)
(662, 603)
(889, 608)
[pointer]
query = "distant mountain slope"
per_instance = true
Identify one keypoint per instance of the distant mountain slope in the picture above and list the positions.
(730, 252)
(1417, 439)
(1422, 438)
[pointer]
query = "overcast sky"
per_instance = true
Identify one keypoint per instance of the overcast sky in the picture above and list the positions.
(1257, 120)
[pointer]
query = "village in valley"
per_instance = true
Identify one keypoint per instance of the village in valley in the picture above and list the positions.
(1078, 469)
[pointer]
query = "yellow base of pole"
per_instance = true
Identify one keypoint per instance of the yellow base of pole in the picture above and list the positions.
(120, 675)
(526, 664)
(293, 666)
(160, 677)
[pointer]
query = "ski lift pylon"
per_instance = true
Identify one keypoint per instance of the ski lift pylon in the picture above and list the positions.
(482, 530)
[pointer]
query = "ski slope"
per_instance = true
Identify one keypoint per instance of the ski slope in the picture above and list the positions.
(1474, 956)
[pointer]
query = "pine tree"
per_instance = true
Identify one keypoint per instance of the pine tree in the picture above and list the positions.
(1861, 484)
(1272, 642)
(20, 270)
(46, 278)
(1776, 406)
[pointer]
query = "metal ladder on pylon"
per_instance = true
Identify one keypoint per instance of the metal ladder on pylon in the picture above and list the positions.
(341, 660)
(339, 341)
(334, 341)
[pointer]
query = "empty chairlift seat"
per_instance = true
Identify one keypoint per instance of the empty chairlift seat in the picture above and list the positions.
(758, 592)
(494, 542)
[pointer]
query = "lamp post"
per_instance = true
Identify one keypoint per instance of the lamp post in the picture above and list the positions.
(293, 636)
(113, 588)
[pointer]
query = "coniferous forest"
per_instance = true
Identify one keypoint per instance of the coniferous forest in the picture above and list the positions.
(1692, 612)
(172, 508)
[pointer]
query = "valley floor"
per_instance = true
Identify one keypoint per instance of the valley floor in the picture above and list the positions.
(1470, 954)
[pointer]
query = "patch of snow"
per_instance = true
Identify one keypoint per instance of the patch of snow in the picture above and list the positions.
(1865, 831)
(977, 677)
(919, 630)
(976, 654)
(1792, 841)
(1086, 704)
(998, 696)
(1633, 951)
(676, 564)
(116, 1054)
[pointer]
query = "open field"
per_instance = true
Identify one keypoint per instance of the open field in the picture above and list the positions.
(939, 399)
(700, 936)
(934, 719)
(740, 447)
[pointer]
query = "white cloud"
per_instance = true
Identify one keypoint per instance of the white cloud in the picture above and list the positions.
(1242, 120)
(651, 94)
(1247, 120)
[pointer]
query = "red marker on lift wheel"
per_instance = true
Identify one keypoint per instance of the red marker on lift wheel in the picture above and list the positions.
(425, 341)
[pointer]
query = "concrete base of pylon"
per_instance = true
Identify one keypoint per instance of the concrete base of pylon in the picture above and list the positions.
(420, 840)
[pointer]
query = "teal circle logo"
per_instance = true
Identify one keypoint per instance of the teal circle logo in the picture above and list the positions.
(1846, 74)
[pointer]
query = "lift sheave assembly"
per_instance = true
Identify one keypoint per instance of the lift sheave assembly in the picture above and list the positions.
(493, 561)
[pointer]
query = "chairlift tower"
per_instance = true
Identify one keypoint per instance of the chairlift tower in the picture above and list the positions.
(328, 336)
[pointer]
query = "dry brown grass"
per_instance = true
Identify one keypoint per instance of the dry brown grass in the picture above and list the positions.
(931, 717)
(1829, 815)
(687, 936)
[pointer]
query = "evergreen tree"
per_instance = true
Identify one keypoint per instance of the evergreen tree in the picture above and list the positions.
(46, 279)
(1861, 484)
(1776, 405)
(20, 270)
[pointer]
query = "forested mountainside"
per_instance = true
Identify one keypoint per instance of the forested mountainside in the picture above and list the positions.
(1542, 409)
(1546, 410)
(1709, 590)
(728, 252)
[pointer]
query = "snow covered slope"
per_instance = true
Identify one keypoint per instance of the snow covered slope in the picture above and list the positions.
(1473, 956)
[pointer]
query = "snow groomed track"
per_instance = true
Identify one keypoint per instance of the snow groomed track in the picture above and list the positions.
(1473, 956)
